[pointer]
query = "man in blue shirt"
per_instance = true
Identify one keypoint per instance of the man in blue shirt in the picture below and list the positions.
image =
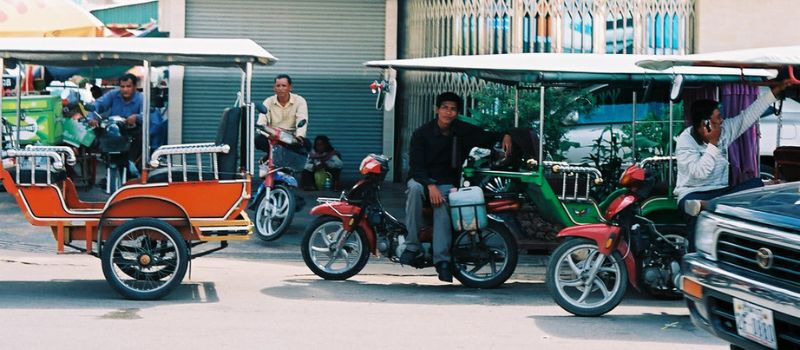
(125, 102)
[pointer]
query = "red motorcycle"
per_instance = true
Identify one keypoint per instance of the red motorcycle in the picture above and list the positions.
(587, 274)
(338, 242)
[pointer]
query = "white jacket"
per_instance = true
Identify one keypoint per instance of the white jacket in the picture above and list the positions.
(704, 167)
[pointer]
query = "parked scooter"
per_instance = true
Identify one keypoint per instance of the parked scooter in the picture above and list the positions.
(587, 273)
(274, 202)
(337, 244)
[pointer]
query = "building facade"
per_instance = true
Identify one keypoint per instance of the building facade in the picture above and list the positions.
(321, 44)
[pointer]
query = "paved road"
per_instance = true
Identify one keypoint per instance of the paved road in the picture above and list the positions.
(49, 301)
(261, 295)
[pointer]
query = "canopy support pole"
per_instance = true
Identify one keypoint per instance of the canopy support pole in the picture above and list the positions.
(780, 124)
(146, 115)
(250, 119)
(669, 142)
(19, 103)
(516, 107)
(633, 127)
(240, 99)
(541, 125)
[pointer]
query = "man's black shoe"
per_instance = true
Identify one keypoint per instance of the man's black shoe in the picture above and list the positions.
(408, 257)
(443, 269)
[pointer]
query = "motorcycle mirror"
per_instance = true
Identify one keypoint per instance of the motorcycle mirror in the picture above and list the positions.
(260, 108)
(677, 88)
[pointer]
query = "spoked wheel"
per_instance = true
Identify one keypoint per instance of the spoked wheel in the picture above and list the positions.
(275, 212)
(583, 281)
(484, 259)
(144, 259)
(496, 184)
(320, 252)
(144, 273)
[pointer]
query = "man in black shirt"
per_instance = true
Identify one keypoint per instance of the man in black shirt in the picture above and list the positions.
(435, 163)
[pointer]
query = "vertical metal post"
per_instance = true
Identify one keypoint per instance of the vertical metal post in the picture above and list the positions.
(19, 103)
(146, 115)
(32, 161)
(669, 141)
(47, 169)
(199, 160)
(241, 89)
(780, 125)
(541, 125)
(633, 127)
(516, 106)
(251, 155)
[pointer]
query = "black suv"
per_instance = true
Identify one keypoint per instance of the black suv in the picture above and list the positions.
(743, 283)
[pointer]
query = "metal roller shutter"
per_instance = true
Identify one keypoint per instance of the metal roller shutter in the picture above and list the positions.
(321, 44)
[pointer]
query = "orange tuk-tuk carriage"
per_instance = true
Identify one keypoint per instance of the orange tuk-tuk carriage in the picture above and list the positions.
(146, 231)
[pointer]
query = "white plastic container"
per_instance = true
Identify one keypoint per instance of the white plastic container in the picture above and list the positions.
(468, 209)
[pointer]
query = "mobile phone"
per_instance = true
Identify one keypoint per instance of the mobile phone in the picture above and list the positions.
(707, 124)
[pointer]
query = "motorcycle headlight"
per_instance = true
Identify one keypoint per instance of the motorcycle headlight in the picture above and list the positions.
(705, 236)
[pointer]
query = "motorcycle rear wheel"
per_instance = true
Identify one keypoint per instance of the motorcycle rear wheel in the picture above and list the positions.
(274, 214)
(485, 259)
(568, 271)
(320, 255)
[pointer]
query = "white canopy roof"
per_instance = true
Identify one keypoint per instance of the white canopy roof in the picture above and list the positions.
(555, 67)
(73, 52)
(770, 57)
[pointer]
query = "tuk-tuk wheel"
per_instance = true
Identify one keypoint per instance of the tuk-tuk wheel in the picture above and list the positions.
(144, 259)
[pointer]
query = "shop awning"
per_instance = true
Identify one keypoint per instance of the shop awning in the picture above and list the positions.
(47, 18)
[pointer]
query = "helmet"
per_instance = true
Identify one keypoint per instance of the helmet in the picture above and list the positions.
(374, 164)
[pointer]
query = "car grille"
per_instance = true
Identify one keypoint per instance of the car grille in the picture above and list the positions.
(741, 252)
(787, 328)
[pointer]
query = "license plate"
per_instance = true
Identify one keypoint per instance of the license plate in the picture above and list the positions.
(755, 323)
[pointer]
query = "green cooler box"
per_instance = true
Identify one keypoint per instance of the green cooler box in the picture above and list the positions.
(42, 123)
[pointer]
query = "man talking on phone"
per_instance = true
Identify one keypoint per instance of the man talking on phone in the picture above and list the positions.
(702, 152)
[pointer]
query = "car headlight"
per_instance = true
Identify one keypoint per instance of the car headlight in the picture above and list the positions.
(705, 236)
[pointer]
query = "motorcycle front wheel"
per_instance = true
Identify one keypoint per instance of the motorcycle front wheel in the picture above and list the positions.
(324, 259)
(575, 288)
(274, 213)
(486, 258)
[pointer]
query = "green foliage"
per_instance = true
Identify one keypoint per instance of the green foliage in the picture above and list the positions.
(494, 110)
(613, 148)
(607, 156)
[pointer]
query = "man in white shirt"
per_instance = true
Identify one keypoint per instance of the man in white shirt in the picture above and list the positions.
(702, 151)
(287, 111)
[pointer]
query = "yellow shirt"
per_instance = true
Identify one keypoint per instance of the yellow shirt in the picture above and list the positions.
(286, 117)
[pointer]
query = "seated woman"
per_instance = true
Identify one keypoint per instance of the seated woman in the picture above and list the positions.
(322, 159)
